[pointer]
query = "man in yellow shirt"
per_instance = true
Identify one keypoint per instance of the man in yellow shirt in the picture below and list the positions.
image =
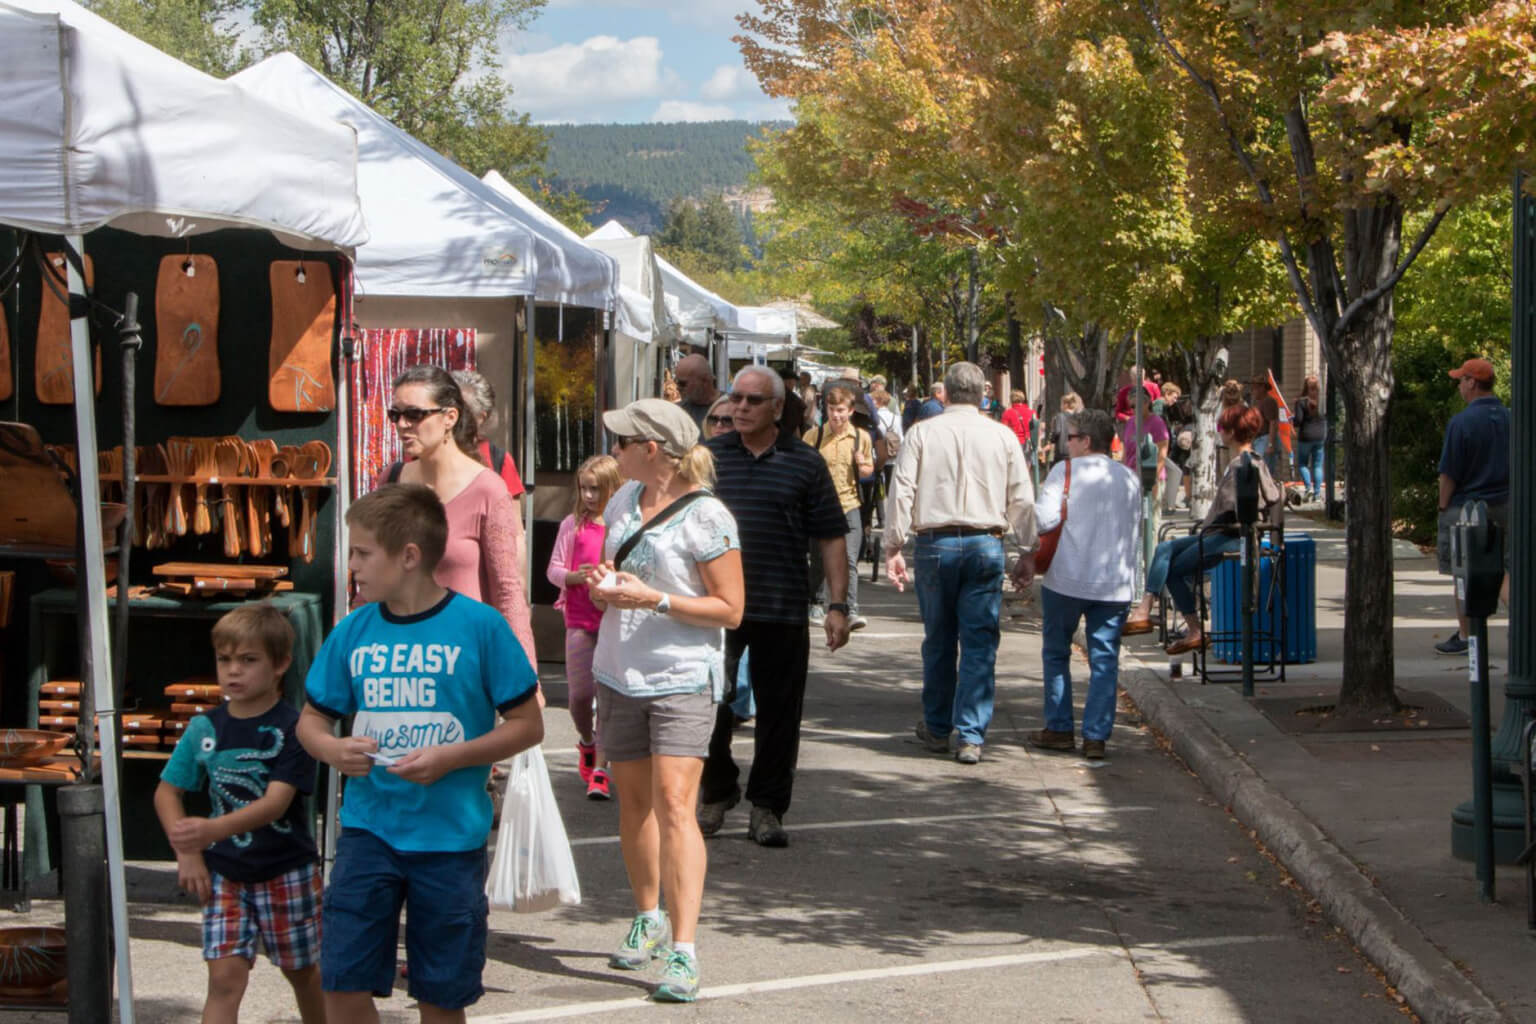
(850, 455)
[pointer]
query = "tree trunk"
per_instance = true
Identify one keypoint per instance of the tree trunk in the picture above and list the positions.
(1205, 397)
(972, 306)
(1367, 685)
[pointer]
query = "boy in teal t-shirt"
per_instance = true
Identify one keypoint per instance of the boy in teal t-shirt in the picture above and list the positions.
(425, 673)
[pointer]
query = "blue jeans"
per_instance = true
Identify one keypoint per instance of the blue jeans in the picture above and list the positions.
(1309, 463)
(1176, 562)
(1060, 615)
(960, 595)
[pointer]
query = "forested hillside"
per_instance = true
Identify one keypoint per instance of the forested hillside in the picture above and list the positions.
(633, 170)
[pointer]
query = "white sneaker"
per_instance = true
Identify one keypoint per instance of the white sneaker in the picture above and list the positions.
(818, 615)
(857, 621)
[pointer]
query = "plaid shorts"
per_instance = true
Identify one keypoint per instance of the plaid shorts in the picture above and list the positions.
(284, 911)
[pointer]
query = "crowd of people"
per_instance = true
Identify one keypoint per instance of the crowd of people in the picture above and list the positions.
(698, 557)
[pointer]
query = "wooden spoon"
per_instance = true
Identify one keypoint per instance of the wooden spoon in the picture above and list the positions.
(285, 465)
(227, 461)
(206, 449)
(265, 452)
(318, 454)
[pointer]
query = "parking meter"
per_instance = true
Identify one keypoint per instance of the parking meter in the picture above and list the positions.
(1247, 480)
(1147, 460)
(1477, 560)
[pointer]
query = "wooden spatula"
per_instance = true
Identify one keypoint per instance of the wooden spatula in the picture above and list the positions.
(55, 363)
(227, 461)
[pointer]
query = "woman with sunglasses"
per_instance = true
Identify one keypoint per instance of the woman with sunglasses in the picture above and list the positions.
(485, 534)
(718, 419)
(674, 553)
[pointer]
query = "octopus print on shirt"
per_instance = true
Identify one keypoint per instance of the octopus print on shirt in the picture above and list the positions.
(416, 681)
(235, 759)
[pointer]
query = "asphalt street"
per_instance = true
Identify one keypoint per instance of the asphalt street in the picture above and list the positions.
(1033, 886)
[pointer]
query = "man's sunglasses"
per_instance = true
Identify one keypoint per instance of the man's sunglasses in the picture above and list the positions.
(737, 397)
(411, 414)
(721, 421)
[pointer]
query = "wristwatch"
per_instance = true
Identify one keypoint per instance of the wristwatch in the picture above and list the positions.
(838, 606)
(664, 605)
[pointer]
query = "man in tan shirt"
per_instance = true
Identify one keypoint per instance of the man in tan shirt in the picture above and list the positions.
(850, 455)
(960, 485)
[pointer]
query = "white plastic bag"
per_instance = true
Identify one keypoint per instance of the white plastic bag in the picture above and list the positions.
(533, 869)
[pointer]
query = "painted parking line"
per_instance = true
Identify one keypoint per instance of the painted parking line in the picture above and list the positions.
(936, 819)
(874, 974)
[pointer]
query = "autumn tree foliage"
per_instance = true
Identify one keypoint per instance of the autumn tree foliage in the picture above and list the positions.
(1180, 167)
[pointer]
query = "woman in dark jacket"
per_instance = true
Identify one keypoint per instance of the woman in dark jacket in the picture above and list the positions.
(1311, 432)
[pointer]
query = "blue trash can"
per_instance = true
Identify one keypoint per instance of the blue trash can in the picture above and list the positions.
(1300, 605)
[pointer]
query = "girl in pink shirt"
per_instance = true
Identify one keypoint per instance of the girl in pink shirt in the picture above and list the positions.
(580, 544)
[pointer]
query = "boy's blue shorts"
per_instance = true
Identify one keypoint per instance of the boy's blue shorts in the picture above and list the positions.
(445, 921)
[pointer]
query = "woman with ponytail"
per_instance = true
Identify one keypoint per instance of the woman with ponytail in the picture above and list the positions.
(438, 436)
(674, 555)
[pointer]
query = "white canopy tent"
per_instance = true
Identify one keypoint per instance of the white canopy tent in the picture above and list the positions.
(101, 129)
(640, 274)
(435, 229)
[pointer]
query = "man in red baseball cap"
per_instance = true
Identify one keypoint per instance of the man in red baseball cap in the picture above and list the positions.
(1474, 466)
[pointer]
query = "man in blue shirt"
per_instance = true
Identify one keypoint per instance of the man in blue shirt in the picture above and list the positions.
(1474, 466)
(935, 403)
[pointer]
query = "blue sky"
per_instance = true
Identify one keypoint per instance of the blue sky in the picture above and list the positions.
(630, 61)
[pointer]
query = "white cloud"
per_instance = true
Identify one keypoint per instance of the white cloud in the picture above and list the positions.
(688, 110)
(728, 82)
(572, 77)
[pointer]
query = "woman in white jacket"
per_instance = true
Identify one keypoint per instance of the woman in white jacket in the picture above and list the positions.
(1091, 578)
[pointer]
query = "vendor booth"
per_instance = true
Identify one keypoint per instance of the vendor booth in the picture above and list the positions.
(125, 174)
(463, 275)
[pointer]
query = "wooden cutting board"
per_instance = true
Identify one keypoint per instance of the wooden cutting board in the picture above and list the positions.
(187, 331)
(248, 572)
(303, 316)
(54, 366)
(7, 382)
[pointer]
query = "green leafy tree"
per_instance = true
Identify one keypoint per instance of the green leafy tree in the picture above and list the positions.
(703, 236)
(201, 33)
(427, 65)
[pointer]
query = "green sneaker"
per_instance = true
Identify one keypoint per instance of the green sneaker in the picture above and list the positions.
(679, 980)
(646, 941)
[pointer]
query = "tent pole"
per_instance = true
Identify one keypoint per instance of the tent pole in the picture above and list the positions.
(92, 578)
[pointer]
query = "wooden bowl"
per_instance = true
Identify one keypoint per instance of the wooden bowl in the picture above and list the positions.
(30, 746)
(32, 958)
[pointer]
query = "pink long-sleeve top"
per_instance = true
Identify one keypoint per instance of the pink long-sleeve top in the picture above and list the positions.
(484, 558)
(576, 546)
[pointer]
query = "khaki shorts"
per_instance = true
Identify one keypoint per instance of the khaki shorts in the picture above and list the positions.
(634, 728)
(1450, 517)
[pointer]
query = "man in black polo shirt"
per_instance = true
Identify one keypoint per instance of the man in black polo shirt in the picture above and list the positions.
(781, 493)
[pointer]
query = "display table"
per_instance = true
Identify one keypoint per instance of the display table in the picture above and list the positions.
(168, 640)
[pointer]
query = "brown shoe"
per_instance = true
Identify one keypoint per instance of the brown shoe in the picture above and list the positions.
(1050, 739)
(1189, 643)
(1134, 626)
(1093, 750)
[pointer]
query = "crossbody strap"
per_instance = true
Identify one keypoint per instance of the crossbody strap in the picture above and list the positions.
(676, 506)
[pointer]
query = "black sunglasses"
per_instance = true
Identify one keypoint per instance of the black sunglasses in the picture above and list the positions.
(721, 421)
(737, 397)
(411, 414)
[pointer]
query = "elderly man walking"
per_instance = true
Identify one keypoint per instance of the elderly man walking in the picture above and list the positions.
(696, 381)
(780, 492)
(960, 485)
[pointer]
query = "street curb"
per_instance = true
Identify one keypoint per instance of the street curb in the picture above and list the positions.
(1436, 990)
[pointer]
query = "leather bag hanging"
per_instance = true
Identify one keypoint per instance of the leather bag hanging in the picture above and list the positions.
(1050, 538)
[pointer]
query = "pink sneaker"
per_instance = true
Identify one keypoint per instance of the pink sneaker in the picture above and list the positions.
(597, 786)
(586, 760)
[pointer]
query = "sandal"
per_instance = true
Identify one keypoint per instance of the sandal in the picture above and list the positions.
(1135, 626)
(1188, 644)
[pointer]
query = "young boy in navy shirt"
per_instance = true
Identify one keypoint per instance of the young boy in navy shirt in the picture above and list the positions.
(252, 864)
(424, 673)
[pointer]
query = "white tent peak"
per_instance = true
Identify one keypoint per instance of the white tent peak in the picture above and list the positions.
(95, 131)
(438, 231)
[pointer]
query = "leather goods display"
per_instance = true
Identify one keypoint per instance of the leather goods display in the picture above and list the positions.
(55, 366)
(303, 316)
(1052, 537)
(187, 331)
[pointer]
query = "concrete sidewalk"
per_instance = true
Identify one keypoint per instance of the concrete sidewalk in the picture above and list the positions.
(1362, 819)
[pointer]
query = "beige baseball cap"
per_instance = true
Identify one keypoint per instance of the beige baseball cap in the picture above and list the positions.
(655, 419)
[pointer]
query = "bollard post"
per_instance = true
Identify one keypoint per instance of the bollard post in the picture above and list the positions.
(1477, 558)
(83, 837)
(1247, 480)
